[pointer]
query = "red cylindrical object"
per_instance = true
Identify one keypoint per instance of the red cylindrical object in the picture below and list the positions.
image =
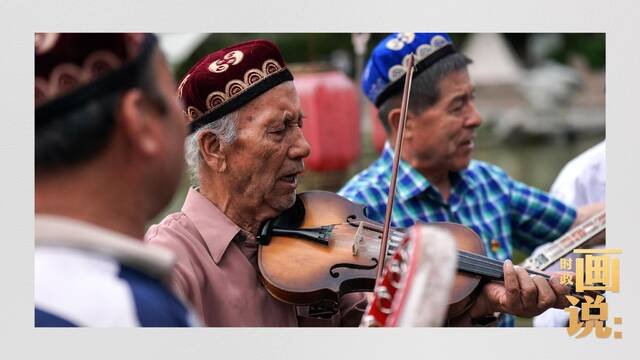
(332, 125)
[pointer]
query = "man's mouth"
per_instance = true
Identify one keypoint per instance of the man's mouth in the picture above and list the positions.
(292, 179)
(467, 144)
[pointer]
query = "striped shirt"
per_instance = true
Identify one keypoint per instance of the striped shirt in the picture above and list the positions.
(502, 211)
(79, 286)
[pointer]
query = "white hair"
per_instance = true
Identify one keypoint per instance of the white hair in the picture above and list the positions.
(225, 128)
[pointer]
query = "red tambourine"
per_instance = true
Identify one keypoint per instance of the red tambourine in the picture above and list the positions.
(416, 281)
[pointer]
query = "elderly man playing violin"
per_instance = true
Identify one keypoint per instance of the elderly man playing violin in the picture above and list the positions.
(439, 182)
(246, 150)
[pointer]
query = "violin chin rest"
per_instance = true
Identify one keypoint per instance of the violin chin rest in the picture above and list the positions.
(289, 219)
(264, 237)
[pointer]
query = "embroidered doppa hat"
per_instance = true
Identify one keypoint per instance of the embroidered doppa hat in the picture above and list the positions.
(227, 79)
(74, 68)
(384, 73)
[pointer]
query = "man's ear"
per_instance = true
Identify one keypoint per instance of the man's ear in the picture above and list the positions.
(394, 123)
(135, 121)
(394, 120)
(212, 151)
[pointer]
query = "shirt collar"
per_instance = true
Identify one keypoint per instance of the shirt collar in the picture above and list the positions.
(51, 230)
(466, 179)
(216, 229)
(412, 183)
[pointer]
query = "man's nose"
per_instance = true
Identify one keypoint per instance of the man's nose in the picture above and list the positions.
(473, 119)
(300, 148)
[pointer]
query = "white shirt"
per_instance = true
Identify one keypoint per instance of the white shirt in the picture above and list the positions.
(582, 181)
(86, 275)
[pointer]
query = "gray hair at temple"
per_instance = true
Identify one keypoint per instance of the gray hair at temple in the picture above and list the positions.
(225, 128)
(425, 87)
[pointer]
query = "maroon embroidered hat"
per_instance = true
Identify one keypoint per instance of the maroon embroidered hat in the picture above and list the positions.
(227, 79)
(73, 68)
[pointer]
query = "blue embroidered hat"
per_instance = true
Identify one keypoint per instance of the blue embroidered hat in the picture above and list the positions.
(384, 74)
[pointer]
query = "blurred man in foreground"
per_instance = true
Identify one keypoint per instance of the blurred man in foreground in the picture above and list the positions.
(108, 157)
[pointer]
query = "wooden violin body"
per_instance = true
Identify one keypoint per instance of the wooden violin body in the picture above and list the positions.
(318, 262)
(303, 271)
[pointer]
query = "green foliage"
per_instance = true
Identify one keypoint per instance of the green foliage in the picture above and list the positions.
(591, 46)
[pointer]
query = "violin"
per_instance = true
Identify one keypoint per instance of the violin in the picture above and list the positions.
(324, 246)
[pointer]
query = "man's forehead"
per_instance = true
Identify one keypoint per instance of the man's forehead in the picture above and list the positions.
(281, 99)
(270, 114)
(456, 83)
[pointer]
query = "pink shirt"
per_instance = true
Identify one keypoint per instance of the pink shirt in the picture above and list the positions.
(217, 271)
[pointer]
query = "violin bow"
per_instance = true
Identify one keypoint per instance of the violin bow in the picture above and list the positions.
(396, 161)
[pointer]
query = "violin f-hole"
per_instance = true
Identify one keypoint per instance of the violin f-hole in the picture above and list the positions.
(335, 274)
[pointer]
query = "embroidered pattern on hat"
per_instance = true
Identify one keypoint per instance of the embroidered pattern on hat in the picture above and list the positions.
(67, 77)
(68, 72)
(235, 87)
(422, 51)
(397, 71)
(192, 113)
(400, 40)
(45, 42)
(230, 58)
(425, 50)
(181, 86)
(377, 87)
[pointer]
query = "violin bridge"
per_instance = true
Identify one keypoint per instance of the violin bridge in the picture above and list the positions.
(358, 239)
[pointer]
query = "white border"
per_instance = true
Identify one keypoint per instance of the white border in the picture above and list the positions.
(20, 18)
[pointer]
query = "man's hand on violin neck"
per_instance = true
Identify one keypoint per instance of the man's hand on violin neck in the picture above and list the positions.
(521, 294)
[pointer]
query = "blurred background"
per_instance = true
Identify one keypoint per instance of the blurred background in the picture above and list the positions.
(541, 96)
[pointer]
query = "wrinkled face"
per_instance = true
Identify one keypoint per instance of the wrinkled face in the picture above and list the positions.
(442, 137)
(265, 160)
(169, 164)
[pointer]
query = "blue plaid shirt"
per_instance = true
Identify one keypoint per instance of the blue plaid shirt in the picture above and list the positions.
(483, 197)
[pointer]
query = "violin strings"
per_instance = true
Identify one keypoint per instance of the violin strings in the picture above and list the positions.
(371, 242)
(473, 262)
(468, 261)
(472, 267)
(499, 264)
(488, 267)
(482, 259)
(463, 265)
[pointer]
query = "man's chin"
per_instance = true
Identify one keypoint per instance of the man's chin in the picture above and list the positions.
(462, 164)
(284, 201)
(291, 200)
